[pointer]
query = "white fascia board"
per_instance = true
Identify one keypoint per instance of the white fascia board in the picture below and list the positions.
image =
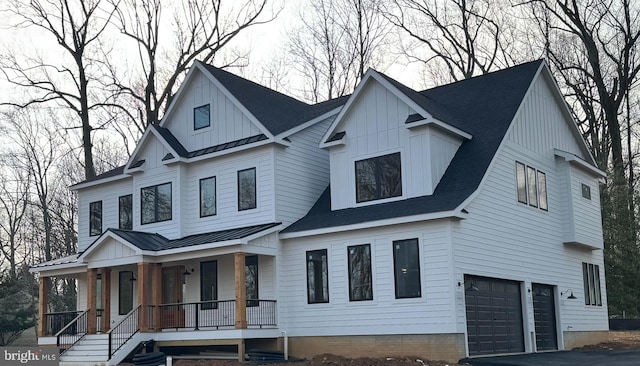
(97, 182)
(574, 160)
(60, 269)
(566, 111)
(441, 125)
(346, 107)
(98, 242)
(178, 95)
(378, 223)
(333, 143)
(117, 262)
(136, 151)
(309, 123)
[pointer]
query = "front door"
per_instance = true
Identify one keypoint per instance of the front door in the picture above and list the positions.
(172, 310)
(544, 315)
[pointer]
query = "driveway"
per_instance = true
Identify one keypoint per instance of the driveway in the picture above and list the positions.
(561, 358)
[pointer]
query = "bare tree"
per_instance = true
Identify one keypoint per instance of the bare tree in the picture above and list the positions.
(75, 26)
(593, 47)
(462, 36)
(335, 44)
(203, 28)
(14, 198)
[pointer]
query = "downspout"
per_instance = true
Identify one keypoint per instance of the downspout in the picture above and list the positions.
(286, 345)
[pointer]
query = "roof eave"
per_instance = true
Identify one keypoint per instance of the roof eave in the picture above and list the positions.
(452, 214)
(96, 182)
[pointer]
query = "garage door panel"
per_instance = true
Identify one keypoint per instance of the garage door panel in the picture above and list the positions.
(494, 316)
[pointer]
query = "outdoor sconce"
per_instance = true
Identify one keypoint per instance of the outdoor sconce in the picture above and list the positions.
(132, 278)
(570, 292)
(187, 273)
(472, 286)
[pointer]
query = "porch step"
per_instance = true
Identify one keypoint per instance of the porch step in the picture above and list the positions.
(91, 350)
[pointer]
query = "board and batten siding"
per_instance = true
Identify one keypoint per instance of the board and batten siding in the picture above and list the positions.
(540, 125)
(432, 313)
(375, 126)
(302, 173)
(225, 169)
(228, 122)
(109, 194)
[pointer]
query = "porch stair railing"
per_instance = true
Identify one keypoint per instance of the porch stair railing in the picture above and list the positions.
(73, 332)
(123, 331)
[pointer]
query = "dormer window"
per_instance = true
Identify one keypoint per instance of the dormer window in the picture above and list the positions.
(155, 203)
(201, 117)
(378, 178)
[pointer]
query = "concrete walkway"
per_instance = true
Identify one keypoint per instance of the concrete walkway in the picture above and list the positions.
(561, 358)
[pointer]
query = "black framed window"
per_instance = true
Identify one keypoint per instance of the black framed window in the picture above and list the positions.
(125, 292)
(201, 117)
(251, 279)
(378, 178)
(531, 186)
(155, 203)
(125, 212)
(406, 264)
(542, 191)
(317, 276)
(247, 189)
(586, 191)
(207, 196)
(95, 218)
(209, 284)
(591, 279)
(360, 277)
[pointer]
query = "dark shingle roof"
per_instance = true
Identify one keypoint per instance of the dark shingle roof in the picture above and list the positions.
(155, 242)
(483, 106)
(276, 111)
(108, 174)
(171, 140)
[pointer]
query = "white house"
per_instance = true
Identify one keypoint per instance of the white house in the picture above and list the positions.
(457, 221)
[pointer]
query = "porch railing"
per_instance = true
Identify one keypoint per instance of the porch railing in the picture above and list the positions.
(54, 322)
(206, 315)
(123, 331)
(74, 331)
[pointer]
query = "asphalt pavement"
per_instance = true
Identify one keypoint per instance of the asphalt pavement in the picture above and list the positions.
(561, 358)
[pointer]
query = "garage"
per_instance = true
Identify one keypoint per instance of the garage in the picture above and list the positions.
(544, 315)
(494, 315)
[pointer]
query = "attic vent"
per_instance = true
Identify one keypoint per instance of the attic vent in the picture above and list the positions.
(414, 118)
(337, 136)
(137, 164)
(169, 156)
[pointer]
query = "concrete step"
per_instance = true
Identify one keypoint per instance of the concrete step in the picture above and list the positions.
(87, 359)
(83, 363)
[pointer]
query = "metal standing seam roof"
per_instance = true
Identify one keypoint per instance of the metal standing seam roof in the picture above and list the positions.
(483, 106)
(156, 242)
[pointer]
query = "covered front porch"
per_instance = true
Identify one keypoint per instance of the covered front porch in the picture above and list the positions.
(221, 291)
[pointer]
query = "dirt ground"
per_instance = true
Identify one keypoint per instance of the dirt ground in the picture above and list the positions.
(617, 340)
